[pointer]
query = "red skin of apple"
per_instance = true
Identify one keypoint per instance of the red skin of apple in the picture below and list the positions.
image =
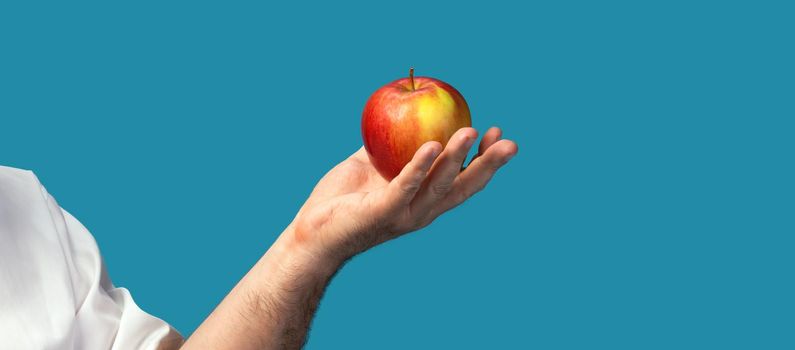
(397, 120)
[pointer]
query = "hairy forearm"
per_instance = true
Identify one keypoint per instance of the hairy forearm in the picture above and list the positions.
(352, 208)
(273, 305)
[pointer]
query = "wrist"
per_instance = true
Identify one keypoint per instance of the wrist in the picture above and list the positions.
(273, 303)
(286, 274)
(309, 257)
(326, 244)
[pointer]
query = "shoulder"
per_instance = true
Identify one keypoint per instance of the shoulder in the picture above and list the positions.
(7, 169)
(18, 185)
(21, 194)
(19, 188)
(13, 176)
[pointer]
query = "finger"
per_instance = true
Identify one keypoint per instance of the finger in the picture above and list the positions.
(444, 171)
(489, 138)
(402, 189)
(479, 173)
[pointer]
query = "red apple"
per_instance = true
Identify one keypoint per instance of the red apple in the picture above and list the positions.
(402, 115)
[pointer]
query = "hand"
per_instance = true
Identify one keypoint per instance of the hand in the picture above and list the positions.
(354, 208)
(351, 209)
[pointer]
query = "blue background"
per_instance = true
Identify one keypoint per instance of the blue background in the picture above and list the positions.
(650, 206)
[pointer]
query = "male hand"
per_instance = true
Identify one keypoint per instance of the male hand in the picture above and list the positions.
(354, 208)
(350, 210)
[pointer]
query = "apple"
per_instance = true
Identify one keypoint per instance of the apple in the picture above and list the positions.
(401, 116)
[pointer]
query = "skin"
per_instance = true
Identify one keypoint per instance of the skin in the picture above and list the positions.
(352, 209)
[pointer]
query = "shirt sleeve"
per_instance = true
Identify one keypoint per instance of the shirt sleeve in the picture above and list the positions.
(55, 292)
(110, 307)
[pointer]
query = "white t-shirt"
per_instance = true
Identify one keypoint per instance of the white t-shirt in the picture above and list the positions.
(54, 290)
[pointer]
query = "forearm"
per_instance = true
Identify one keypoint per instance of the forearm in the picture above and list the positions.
(273, 305)
(351, 209)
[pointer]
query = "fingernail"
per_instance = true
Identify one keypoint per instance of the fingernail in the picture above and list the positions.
(469, 142)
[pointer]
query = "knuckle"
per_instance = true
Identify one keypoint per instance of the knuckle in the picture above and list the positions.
(461, 156)
(470, 191)
(411, 185)
(409, 188)
(413, 225)
(495, 163)
(425, 222)
(480, 187)
(441, 189)
(464, 195)
(426, 218)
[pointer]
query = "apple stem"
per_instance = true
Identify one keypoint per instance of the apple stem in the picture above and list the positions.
(411, 77)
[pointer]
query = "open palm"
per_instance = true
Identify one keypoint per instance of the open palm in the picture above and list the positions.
(353, 207)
